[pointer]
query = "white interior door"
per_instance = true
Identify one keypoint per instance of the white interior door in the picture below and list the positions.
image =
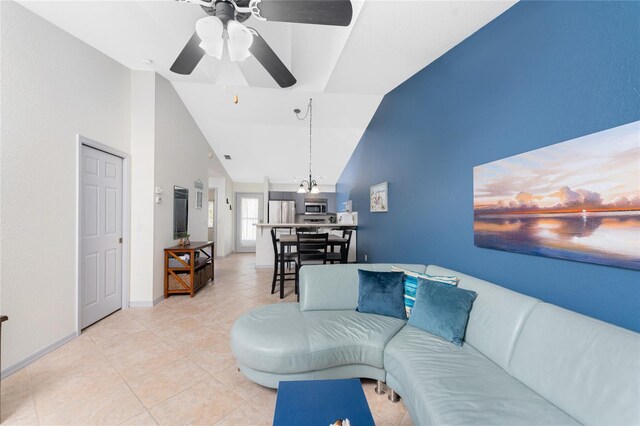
(101, 234)
(249, 211)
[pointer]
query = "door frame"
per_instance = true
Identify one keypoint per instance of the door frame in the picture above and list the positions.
(126, 218)
(236, 237)
(215, 213)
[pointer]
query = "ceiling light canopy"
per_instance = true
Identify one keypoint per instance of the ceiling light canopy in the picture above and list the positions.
(211, 32)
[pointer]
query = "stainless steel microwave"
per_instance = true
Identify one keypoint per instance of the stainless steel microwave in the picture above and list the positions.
(316, 206)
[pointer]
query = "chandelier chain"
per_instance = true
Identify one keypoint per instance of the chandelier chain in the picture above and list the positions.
(310, 132)
(311, 183)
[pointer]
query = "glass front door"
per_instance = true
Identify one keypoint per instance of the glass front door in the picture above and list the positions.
(249, 208)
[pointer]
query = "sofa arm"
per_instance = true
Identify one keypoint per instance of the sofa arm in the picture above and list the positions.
(335, 287)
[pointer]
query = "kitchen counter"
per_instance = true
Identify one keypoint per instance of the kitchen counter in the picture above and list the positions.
(264, 246)
(300, 225)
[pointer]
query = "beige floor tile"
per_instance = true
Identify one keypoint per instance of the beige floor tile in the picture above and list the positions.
(236, 381)
(264, 400)
(209, 318)
(202, 404)
(381, 406)
(142, 419)
(379, 421)
(91, 376)
(27, 417)
(223, 325)
(145, 360)
(214, 359)
(167, 355)
(198, 339)
(162, 325)
(151, 315)
(16, 397)
(68, 357)
(109, 407)
(162, 383)
(406, 421)
(174, 325)
(115, 324)
(245, 415)
(121, 344)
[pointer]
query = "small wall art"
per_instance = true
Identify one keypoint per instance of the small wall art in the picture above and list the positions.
(576, 200)
(379, 198)
(198, 199)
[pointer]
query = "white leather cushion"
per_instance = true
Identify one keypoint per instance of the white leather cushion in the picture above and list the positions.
(588, 368)
(333, 287)
(496, 317)
(281, 339)
(450, 385)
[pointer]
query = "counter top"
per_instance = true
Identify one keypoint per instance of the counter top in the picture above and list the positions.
(301, 225)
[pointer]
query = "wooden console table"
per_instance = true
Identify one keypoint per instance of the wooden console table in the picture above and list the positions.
(182, 277)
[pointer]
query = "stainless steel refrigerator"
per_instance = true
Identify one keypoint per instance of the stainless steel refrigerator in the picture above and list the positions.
(282, 212)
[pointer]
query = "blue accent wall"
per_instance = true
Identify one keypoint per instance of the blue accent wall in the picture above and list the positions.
(539, 74)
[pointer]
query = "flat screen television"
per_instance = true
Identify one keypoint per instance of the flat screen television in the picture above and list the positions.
(180, 211)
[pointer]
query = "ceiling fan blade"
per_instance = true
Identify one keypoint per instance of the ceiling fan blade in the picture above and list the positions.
(190, 56)
(322, 12)
(270, 61)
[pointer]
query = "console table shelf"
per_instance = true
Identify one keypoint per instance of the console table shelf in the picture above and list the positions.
(186, 277)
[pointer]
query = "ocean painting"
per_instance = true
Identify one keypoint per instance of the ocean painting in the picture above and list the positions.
(576, 200)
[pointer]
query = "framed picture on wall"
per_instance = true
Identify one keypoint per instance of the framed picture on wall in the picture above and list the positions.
(379, 198)
(198, 199)
(575, 200)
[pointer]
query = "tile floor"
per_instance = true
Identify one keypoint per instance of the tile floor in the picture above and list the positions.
(170, 364)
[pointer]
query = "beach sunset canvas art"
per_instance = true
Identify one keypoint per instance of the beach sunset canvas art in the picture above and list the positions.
(576, 200)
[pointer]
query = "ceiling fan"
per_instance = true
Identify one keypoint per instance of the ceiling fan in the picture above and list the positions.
(226, 18)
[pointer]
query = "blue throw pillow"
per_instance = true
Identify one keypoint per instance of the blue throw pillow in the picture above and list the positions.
(411, 284)
(381, 293)
(442, 310)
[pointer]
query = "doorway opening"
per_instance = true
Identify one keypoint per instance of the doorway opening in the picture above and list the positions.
(249, 212)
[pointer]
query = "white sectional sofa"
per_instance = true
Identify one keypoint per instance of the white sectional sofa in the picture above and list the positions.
(523, 361)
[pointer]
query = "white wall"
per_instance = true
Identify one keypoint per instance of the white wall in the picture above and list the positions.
(181, 157)
(143, 100)
(53, 87)
(248, 187)
(224, 216)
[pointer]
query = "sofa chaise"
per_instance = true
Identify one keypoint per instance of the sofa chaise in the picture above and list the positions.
(523, 361)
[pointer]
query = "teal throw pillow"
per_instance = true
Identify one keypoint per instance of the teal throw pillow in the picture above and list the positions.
(442, 310)
(381, 293)
(411, 284)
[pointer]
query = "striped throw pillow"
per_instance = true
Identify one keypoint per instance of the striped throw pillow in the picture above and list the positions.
(411, 284)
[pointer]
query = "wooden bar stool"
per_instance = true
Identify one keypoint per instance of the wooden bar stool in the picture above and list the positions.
(277, 259)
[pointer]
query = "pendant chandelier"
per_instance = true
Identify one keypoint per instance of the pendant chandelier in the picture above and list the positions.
(309, 185)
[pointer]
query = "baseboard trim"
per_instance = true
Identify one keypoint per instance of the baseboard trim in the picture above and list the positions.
(140, 304)
(36, 355)
(145, 303)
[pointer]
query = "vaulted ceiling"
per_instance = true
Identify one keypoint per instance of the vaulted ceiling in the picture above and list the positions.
(346, 70)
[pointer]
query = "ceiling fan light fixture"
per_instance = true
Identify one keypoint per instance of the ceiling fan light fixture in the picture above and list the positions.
(239, 41)
(210, 30)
